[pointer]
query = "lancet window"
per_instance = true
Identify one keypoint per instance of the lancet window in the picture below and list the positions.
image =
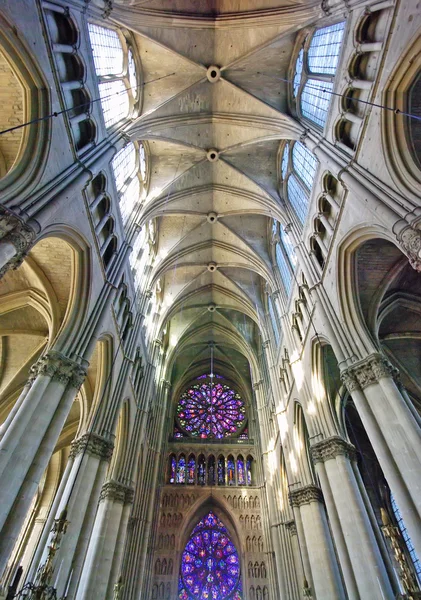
(210, 564)
(285, 256)
(210, 470)
(130, 184)
(115, 67)
(298, 169)
(274, 320)
(405, 535)
(314, 73)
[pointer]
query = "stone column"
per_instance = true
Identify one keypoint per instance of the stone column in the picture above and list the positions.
(360, 557)
(102, 564)
(393, 432)
(16, 239)
(292, 529)
(30, 438)
(307, 503)
(90, 455)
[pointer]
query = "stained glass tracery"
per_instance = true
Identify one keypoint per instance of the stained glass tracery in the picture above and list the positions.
(210, 410)
(210, 565)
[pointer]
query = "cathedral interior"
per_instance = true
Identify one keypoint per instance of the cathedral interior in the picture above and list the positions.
(210, 222)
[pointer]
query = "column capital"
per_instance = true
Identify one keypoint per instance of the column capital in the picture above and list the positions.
(116, 492)
(59, 368)
(92, 444)
(330, 448)
(292, 527)
(410, 241)
(305, 495)
(368, 371)
(14, 231)
(257, 384)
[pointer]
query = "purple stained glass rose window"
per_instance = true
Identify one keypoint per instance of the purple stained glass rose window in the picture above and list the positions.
(210, 565)
(210, 410)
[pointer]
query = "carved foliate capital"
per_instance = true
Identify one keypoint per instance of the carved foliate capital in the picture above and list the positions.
(368, 371)
(305, 495)
(117, 492)
(59, 368)
(93, 444)
(292, 527)
(331, 448)
(14, 231)
(410, 241)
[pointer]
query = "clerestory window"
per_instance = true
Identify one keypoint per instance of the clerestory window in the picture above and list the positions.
(286, 258)
(298, 169)
(128, 167)
(314, 73)
(115, 67)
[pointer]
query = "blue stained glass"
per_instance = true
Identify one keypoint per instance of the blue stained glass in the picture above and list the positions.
(211, 470)
(173, 468)
(210, 565)
(210, 410)
(315, 100)
(181, 470)
(201, 470)
(241, 479)
(221, 470)
(231, 471)
(248, 470)
(191, 469)
(324, 50)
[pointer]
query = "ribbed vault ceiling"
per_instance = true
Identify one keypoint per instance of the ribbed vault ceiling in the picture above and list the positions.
(214, 216)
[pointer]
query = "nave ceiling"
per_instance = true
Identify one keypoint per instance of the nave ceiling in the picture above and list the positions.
(213, 166)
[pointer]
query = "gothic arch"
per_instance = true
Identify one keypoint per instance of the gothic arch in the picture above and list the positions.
(31, 157)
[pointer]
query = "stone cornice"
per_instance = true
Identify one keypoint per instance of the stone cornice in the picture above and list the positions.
(59, 368)
(305, 495)
(368, 372)
(331, 448)
(116, 492)
(94, 445)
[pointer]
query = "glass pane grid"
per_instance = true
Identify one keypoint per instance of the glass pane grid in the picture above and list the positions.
(132, 72)
(129, 199)
(114, 101)
(106, 50)
(124, 164)
(304, 164)
(284, 268)
(315, 100)
(289, 247)
(407, 539)
(298, 198)
(273, 319)
(325, 47)
(298, 72)
(285, 159)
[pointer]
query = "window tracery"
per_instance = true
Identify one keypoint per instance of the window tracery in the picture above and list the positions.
(115, 67)
(315, 68)
(210, 565)
(298, 170)
(210, 410)
(405, 535)
(129, 182)
(285, 256)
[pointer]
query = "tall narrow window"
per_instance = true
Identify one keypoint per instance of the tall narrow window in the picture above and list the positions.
(230, 470)
(191, 469)
(274, 320)
(125, 166)
(201, 470)
(181, 469)
(249, 469)
(315, 69)
(241, 477)
(172, 468)
(115, 67)
(221, 470)
(298, 169)
(402, 527)
(211, 470)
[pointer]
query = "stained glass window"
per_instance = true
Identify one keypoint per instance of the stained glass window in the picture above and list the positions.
(181, 469)
(415, 560)
(106, 50)
(173, 468)
(211, 470)
(248, 469)
(221, 470)
(114, 101)
(298, 71)
(210, 565)
(244, 435)
(241, 478)
(191, 469)
(201, 470)
(230, 471)
(304, 164)
(210, 410)
(285, 160)
(177, 433)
